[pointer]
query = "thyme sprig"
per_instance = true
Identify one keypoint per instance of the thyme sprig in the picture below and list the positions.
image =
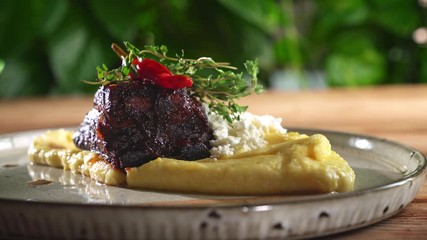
(217, 84)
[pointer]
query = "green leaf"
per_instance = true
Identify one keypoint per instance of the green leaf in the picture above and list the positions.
(48, 15)
(2, 63)
(118, 19)
(264, 14)
(18, 14)
(355, 60)
(332, 15)
(22, 77)
(366, 68)
(74, 53)
(287, 52)
(397, 16)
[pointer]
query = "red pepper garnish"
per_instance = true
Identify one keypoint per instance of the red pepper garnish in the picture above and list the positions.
(160, 75)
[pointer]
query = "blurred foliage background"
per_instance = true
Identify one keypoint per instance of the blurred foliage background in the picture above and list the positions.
(47, 47)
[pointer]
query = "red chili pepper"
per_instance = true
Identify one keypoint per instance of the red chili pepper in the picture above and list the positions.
(160, 74)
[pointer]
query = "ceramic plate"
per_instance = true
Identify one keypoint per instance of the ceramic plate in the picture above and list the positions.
(44, 202)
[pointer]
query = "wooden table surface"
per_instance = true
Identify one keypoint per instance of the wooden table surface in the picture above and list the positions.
(397, 113)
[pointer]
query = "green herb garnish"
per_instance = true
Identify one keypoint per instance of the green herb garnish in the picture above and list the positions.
(216, 84)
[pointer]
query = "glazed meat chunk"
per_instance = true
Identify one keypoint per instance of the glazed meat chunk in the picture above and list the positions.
(134, 122)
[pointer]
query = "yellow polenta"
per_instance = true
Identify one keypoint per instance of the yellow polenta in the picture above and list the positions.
(56, 149)
(290, 163)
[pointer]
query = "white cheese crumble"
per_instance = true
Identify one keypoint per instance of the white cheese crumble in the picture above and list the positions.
(242, 135)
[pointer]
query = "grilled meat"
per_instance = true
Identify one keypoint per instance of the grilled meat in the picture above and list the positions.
(134, 122)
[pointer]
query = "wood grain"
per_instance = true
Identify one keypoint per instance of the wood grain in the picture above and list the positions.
(397, 113)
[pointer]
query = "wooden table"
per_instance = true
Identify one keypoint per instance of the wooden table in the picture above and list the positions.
(397, 113)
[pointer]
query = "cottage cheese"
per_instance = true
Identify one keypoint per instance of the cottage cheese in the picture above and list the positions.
(242, 135)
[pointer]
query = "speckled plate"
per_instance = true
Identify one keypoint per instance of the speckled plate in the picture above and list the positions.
(44, 202)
